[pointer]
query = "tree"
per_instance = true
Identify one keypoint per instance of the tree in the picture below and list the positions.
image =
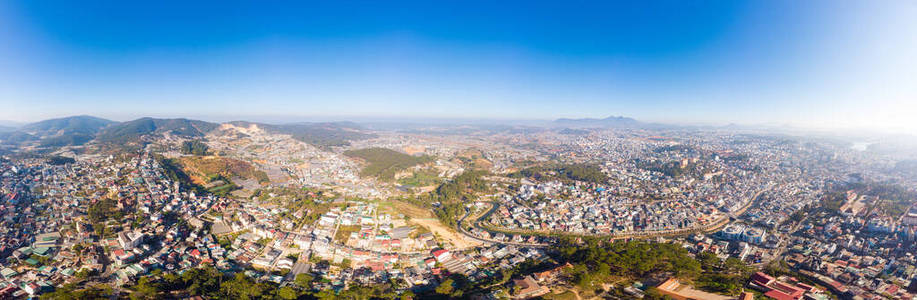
(304, 280)
(708, 260)
(407, 295)
(69, 291)
(735, 266)
(445, 288)
(202, 281)
(242, 287)
(145, 289)
(85, 273)
(287, 293)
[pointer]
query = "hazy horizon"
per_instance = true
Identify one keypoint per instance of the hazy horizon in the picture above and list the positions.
(816, 65)
(414, 121)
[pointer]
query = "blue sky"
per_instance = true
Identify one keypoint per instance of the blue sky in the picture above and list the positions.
(834, 64)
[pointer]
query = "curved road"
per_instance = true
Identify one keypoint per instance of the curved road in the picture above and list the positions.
(645, 234)
(490, 241)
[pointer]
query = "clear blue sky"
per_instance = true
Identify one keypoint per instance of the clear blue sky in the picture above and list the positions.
(808, 63)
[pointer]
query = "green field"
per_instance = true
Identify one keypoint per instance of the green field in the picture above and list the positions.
(421, 178)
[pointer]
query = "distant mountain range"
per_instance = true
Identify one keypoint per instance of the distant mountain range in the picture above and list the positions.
(80, 130)
(609, 122)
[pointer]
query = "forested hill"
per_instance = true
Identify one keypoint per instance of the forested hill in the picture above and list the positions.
(86, 125)
(79, 130)
(132, 131)
(564, 172)
(384, 163)
(67, 131)
(324, 135)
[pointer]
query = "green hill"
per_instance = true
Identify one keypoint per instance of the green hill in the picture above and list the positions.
(67, 131)
(564, 172)
(132, 131)
(324, 135)
(204, 169)
(16, 137)
(82, 125)
(385, 163)
(66, 140)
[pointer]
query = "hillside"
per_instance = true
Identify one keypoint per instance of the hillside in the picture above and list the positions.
(323, 135)
(564, 172)
(132, 131)
(206, 169)
(79, 130)
(73, 139)
(83, 125)
(385, 163)
(474, 159)
(76, 130)
(16, 137)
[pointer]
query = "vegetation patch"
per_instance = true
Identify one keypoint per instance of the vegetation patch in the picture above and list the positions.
(323, 135)
(595, 261)
(449, 199)
(133, 131)
(384, 163)
(194, 147)
(425, 177)
(58, 160)
(172, 169)
(564, 172)
(674, 169)
(206, 169)
(344, 231)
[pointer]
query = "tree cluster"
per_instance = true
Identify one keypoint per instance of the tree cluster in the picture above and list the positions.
(595, 260)
(60, 160)
(385, 163)
(194, 147)
(564, 172)
(210, 283)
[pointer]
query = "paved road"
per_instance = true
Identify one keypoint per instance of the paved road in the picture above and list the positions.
(490, 241)
(782, 245)
(644, 234)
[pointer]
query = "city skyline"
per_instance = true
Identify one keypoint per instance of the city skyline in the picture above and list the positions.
(814, 65)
